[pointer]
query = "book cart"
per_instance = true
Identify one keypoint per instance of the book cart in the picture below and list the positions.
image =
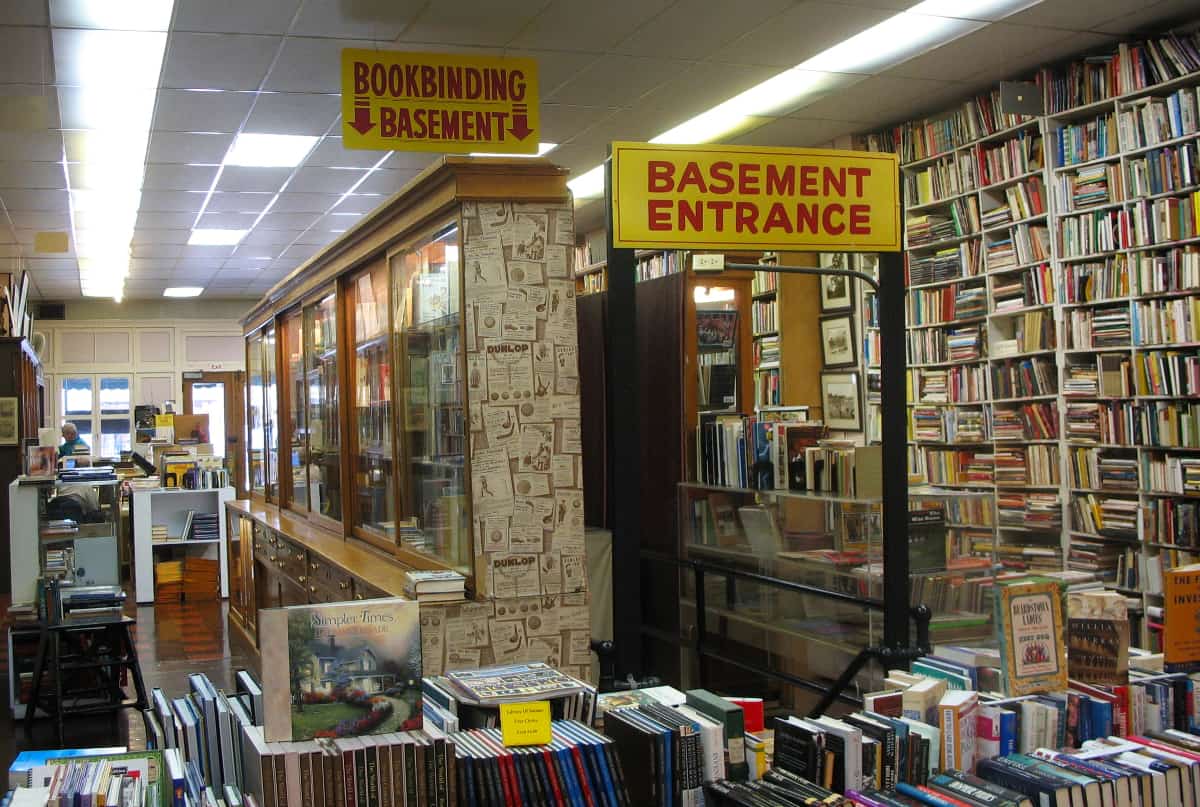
(882, 632)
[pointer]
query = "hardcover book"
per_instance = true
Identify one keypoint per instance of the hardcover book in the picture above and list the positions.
(1098, 651)
(1029, 620)
(341, 669)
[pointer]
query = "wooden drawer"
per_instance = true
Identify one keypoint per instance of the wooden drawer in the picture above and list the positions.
(264, 541)
(366, 591)
(329, 576)
(293, 561)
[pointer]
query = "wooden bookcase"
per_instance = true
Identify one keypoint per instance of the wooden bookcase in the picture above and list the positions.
(20, 378)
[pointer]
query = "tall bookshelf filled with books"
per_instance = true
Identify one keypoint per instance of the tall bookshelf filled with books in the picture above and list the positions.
(1068, 382)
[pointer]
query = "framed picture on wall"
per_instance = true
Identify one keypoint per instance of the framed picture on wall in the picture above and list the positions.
(837, 291)
(866, 262)
(841, 401)
(838, 347)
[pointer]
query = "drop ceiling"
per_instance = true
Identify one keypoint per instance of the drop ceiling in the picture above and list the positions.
(620, 69)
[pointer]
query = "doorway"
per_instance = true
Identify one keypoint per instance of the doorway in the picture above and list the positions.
(221, 397)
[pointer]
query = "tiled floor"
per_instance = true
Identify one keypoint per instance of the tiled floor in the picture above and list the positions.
(173, 640)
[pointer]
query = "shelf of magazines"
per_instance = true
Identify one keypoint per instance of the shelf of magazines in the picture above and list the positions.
(832, 543)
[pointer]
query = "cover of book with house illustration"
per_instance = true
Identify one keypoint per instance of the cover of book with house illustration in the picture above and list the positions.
(341, 669)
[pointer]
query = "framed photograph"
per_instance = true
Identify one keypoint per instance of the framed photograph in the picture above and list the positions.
(8, 422)
(841, 400)
(837, 291)
(716, 329)
(838, 347)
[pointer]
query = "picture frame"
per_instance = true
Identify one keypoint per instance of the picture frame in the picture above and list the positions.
(837, 291)
(9, 434)
(841, 401)
(866, 262)
(838, 345)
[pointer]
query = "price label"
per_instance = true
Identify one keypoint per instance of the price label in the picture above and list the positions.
(707, 262)
(525, 723)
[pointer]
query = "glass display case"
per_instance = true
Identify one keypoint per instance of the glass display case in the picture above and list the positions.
(324, 427)
(291, 381)
(256, 439)
(430, 384)
(830, 543)
(374, 462)
(271, 415)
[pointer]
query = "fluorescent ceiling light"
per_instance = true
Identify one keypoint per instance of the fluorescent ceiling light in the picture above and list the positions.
(215, 238)
(125, 15)
(895, 40)
(269, 150)
(543, 148)
(183, 291)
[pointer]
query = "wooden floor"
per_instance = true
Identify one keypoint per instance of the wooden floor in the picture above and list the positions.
(173, 640)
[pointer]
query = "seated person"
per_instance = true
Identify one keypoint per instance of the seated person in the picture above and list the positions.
(71, 442)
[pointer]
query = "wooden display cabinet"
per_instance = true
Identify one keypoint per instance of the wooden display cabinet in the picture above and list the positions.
(414, 394)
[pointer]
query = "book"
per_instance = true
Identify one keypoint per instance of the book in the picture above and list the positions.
(1030, 633)
(340, 669)
(731, 717)
(1181, 607)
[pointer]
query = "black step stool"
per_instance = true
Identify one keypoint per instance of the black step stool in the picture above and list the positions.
(67, 651)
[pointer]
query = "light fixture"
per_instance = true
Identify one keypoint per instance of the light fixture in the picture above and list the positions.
(203, 237)
(895, 40)
(107, 59)
(543, 148)
(713, 294)
(269, 150)
(183, 291)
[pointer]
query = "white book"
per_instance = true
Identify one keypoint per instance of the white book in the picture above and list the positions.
(712, 740)
(852, 742)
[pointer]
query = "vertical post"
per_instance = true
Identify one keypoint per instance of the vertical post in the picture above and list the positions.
(893, 410)
(625, 466)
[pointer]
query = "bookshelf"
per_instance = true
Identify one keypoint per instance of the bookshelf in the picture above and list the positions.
(1081, 227)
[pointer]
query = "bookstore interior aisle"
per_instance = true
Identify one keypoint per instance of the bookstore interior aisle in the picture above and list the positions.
(838, 444)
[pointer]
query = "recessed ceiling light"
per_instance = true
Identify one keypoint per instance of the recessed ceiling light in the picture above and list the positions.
(215, 238)
(543, 148)
(269, 150)
(183, 291)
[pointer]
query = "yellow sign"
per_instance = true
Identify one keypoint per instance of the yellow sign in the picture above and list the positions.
(725, 197)
(439, 102)
(525, 723)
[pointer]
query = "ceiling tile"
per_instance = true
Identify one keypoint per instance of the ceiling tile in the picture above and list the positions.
(337, 222)
(40, 221)
(196, 111)
(375, 20)
(239, 202)
(286, 221)
(172, 201)
(358, 203)
(221, 16)
(799, 33)
(248, 178)
(245, 264)
(305, 202)
(587, 25)
(466, 22)
(175, 177)
(227, 221)
(26, 12)
(693, 91)
(555, 67)
(25, 55)
(561, 122)
(692, 27)
(323, 180)
(330, 153)
(885, 98)
(35, 106)
(188, 147)
(34, 200)
(161, 236)
(307, 64)
(259, 241)
(157, 251)
(316, 237)
(153, 220)
(385, 182)
(293, 113)
(217, 61)
(32, 146)
(410, 160)
(986, 51)
(300, 252)
(210, 265)
(617, 80)
(206, 252)
(1075, 16)
(798, 132)
(236, 275)
(1152, 15)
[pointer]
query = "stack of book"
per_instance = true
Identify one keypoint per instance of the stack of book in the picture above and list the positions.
(158, 533)
(204, 527)
(471, 699)
(434, 586)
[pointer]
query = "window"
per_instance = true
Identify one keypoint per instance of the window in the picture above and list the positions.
(254, 414)
(324, 433)
(291, 382)
(373, 466)
(99, 406)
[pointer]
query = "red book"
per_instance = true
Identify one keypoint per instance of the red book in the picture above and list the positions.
(753, 713)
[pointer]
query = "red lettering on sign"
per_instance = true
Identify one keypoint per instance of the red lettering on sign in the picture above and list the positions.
(858, 174)
(660, 175)
(835, 180)
(777, 218)
(781, 184)
(748, 177)
(719, 208)
(860, 219)
(692, 214)
(361, 84)
(746, 213)
(722, 177)
(516, 85)
(691, 176)
(660, 214)
(827, 219)
(387, 121)
(808, 180)
(806, 217)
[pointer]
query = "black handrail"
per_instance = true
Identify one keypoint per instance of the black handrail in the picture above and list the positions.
(887, 657)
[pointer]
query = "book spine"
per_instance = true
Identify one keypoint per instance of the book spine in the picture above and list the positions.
(282, 797)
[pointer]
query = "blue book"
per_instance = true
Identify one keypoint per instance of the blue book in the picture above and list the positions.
(565, 767)
(1101, 713)
(591, 747)
(1008, 732)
